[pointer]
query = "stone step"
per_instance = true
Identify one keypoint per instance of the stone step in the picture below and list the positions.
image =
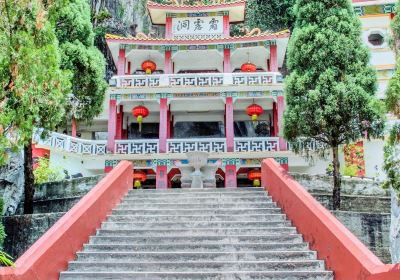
(221, 190)
(121, 229)
(215, 266)
(208, 218)
(222, 247)
(173, 195)
(238, 239)
(195, 257)
(198, 199)
(223, 275)
(199, 225)
(139, 206)
(247, 211)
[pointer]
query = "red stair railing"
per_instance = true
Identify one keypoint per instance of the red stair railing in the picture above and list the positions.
(342, 252)
(50, 255)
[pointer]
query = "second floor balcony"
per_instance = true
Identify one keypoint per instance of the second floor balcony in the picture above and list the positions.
(206, 81)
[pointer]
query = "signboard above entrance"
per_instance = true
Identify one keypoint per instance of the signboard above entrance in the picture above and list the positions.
(187, 28)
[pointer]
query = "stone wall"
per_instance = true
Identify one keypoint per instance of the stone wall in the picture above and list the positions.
(371, 228)
(350, 186)
(60, 196)
(22, 231)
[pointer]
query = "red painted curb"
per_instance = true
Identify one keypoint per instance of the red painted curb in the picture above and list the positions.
(342, 251)
(50, 255)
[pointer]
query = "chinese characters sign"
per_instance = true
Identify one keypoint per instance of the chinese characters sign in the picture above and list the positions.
(197, 27)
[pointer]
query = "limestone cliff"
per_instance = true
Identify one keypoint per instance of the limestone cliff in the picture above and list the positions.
(121, 17)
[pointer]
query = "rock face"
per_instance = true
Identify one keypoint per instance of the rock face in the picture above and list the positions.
(12, 183)
(121, 17)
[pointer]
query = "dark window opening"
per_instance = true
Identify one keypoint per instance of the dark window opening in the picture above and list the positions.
(250, 129)
(376, 39)
(149, 131)
(199, 129)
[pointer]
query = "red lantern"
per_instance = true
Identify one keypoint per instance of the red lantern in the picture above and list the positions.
(139, 177)
(149, 66)
(254, 111)
(255, 176)
(249, 67)
(140, 112)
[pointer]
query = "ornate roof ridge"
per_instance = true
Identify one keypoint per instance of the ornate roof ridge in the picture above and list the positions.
(181, 3)
(144, 38)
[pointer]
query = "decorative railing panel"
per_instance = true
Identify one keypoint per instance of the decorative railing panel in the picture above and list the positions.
(71, 144)
(197, 80)
(136, 147)
(215, 145)
(262, 144)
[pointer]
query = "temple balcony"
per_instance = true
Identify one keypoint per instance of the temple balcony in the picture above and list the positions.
(68, 144)
(203, 82)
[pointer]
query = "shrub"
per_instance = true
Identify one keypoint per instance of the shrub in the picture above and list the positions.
(44, 173)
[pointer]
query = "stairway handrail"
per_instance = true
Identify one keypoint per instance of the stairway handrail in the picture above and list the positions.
(50, 255)
(343, 253)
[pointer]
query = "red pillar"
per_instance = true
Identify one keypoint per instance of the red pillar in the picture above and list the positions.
(230, 177)
(73, 129)
(121, 62)
(168, 28)
(168, 62)
(280, 109)
(226, 26)
(163, 132)
(162, 177)
(229, 125)
(227, 61)
(273, 59)
(275, 120)
(169, 124)
(112, 125)
(120, 118)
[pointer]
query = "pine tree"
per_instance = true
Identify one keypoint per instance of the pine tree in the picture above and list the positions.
(330, 91)
(34, 89)
(74, 30)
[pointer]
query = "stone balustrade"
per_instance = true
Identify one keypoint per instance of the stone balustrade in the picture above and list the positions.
(197, 80)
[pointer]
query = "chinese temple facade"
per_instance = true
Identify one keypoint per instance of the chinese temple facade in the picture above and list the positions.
(201, 90)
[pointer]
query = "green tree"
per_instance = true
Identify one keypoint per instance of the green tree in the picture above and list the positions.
(34, 88)
(273, 15)
(330, 91)
(74, 30)
(392, 148)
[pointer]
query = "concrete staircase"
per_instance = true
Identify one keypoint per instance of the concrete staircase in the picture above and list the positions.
(197, 234)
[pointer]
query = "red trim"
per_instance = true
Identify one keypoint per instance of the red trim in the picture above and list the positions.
(229, 125)
(112, 125)
(341, 250)
(50, 255)
(156, 6)
(129, 68)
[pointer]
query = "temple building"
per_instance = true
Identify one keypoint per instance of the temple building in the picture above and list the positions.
(201, 90)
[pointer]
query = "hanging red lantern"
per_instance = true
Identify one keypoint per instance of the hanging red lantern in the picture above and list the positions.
(149, 66)
(255, 176)
(249, 67)
(254, 111)
(140, 112)
(139, 177)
